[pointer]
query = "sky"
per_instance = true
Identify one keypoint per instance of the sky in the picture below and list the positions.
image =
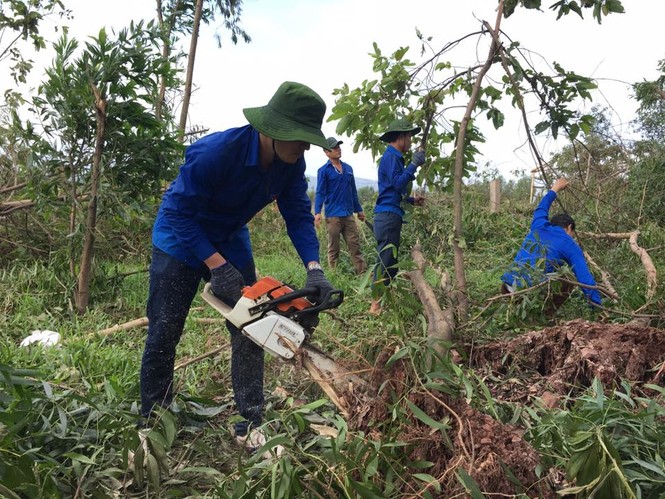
(325, 44)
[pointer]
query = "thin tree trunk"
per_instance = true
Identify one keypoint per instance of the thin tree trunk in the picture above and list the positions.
(83, 290)
(462, 299)
(190, 69)
(72, 218)
(166, 29)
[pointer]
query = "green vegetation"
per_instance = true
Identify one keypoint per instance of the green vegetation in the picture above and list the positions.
(68, 413)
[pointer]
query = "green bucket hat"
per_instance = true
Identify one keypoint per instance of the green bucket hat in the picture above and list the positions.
(295, 112)
(401, 126)
(332, 143)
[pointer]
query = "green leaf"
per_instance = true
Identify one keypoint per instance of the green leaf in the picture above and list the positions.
(79, 457)
(401, 353)
(469, 484)
(428, 479)
(422, 416)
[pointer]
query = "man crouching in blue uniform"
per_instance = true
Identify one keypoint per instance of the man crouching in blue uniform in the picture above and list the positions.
(552, 241)
(201, 234)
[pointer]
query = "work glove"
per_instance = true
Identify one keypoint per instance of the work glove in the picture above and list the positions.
(418, 158)
(226, 283)
(316, 279)
(309, 322)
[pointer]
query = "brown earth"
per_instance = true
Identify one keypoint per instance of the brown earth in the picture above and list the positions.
(550, 363)
(564, 359)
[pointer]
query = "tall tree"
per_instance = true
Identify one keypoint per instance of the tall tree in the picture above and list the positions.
(179, 18)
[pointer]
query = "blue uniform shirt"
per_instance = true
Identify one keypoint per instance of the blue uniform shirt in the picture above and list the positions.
(337, 191)
(555, 246)
(220, 188)
(394, 180)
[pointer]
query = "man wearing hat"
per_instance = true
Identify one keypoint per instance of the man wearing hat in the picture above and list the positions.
(201, 234)
(394, 180)
(336, 189)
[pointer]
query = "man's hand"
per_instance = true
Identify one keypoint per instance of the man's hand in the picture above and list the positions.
(560, 184)
(418, 158)
(316, 279)
(226, 283)
(317, 220)
(361, 216)
(419, 201)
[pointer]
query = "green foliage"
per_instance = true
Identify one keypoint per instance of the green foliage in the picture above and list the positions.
(20, 20)
(565, 7)
(611, 445)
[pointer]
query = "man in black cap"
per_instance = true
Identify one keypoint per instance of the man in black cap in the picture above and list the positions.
(201, 234)
(336, 189)
(394, 181)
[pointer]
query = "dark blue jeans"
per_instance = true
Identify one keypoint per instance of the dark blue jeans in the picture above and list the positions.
(173, 285)
(387, 231)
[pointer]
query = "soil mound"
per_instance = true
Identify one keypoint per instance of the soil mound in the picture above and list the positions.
(565, 359)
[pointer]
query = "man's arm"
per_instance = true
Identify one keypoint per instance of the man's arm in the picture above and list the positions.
(575, 258)
(320, 197)
(357, 207)
(541, 213)
(296, 209)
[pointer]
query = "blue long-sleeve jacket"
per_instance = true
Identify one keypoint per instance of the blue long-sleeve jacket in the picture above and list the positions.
(394, 180)
(337, 191)
(220, 187)
(555, 246)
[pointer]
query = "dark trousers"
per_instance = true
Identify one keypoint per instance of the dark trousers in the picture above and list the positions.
(387, 231)
(173, 285)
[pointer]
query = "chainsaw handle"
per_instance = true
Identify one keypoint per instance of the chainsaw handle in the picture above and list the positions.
(331, 299)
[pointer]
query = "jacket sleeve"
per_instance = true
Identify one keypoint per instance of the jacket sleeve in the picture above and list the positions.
(190, 193)
(296, 209)
(541, 213)
(399, 177)
(575, 258)
(357, 207)
(321, 190)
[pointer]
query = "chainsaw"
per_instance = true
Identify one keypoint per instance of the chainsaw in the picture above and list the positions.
(273, 315)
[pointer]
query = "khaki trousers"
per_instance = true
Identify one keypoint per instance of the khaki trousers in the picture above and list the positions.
(347, 228)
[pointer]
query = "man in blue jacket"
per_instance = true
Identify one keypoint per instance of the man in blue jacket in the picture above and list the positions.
(201, 234)
(550, 242)
(394, 181)
(336, 190)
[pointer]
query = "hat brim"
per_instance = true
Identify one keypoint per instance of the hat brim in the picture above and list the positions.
(414, 131)
(278, 127)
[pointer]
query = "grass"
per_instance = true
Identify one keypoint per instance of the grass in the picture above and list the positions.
(67, 426)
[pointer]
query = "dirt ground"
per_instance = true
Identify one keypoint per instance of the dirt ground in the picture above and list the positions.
(564, 359)
(556, 361)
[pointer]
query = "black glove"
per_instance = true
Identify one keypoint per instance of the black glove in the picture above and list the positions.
(418, 158)
(309, 322)
(316, 279)
(226, 283)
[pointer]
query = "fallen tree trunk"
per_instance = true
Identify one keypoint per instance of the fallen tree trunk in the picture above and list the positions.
(645, 258)
(440, 323)
(11, 206)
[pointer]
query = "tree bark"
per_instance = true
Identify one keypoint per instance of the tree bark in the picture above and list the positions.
(83, 289)
(190, 69)
(440, 323)
(462, 299)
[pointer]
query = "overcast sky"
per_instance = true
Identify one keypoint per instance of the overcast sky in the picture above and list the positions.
(325, 43)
